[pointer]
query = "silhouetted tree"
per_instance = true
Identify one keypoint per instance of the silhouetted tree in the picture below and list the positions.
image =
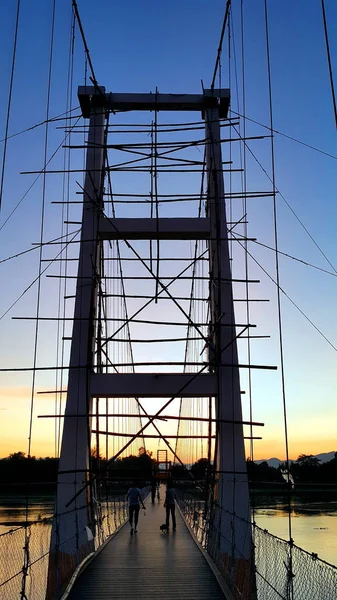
(262, 472)
(179, 472)
(306, 469)
(308, 461)
(199, 468)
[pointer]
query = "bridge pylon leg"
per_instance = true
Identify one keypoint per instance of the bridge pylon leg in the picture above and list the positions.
(230, 539)
(73, 526)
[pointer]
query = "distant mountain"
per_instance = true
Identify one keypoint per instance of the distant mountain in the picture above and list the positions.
(326, 456)
(274, 462)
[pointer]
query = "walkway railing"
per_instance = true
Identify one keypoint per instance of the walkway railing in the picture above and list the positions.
(282, 570)
(24, 551)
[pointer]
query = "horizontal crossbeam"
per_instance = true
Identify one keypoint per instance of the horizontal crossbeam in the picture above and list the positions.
(154, 229)
(152, 385)
(89, 95)
(156, 417)
(167, 437)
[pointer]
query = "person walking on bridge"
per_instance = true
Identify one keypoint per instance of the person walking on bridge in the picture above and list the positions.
(170, 506)
(134, 498)
(153, 489)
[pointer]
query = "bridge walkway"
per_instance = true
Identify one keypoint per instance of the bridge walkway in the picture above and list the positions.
(149, 564)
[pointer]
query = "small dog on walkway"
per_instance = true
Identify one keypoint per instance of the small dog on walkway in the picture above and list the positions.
(163, 527)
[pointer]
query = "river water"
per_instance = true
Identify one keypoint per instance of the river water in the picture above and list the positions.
(313, 525)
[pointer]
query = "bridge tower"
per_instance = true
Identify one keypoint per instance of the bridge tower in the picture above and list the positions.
(73, 533)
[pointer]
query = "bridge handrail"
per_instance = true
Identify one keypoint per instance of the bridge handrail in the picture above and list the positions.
(278, 564)
(28, 546)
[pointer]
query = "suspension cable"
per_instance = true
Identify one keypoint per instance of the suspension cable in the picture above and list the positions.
(277, 266)
(121, 273)
(287, 203)
(218, 58)
(243, 157)
(86, 49)
(61, 117)
(39, 174)
(51, 51)
(289, 137)
(60, 334)
(49, 78)
(9, 103)
(332, 84)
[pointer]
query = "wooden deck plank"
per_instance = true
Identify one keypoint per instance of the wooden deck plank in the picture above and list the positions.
(149, 564)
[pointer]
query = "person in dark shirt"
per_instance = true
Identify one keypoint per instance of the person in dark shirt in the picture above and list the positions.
(134, 498)
(170, 506)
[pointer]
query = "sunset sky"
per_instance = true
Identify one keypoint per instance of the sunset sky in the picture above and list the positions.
(136, 46)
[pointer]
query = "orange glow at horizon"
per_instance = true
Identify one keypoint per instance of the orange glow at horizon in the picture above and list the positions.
(45, 448)
(14, 416)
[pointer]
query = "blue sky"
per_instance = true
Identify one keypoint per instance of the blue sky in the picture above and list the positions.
(135, 47)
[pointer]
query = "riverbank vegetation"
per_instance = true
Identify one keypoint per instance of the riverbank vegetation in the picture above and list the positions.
(18, 469)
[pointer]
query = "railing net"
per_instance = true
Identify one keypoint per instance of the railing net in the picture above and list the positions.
(27, 548)
(283, 571)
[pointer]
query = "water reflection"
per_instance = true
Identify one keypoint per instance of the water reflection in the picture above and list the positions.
(13, 510)
(313, 525)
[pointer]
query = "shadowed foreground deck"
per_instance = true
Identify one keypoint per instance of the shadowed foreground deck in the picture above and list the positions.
(149, 564)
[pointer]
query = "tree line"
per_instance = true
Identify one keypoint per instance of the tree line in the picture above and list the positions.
(17, 468)
(305, 469)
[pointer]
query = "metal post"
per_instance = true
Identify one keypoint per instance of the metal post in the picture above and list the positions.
(73, 526)
(231, 527)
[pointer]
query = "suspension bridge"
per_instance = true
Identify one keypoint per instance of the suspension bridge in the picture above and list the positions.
(154, 296)
(94, 375)
(213, 553)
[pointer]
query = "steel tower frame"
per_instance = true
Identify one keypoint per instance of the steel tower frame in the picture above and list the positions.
(73, 528)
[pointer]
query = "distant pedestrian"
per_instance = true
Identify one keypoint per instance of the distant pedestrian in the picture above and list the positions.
(134, 498)
(170, 506)
(153, 489)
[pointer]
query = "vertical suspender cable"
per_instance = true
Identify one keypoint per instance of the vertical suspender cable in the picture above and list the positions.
(64, 217)
(9, 100)
(290, 590)
(156, 194)
(26, 545)
(244, 202)
(151, 186)
(119, 264)
(42, 221)
(192, 295)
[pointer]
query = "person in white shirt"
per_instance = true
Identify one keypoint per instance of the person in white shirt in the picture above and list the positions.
(134, 499)
(170, 506)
